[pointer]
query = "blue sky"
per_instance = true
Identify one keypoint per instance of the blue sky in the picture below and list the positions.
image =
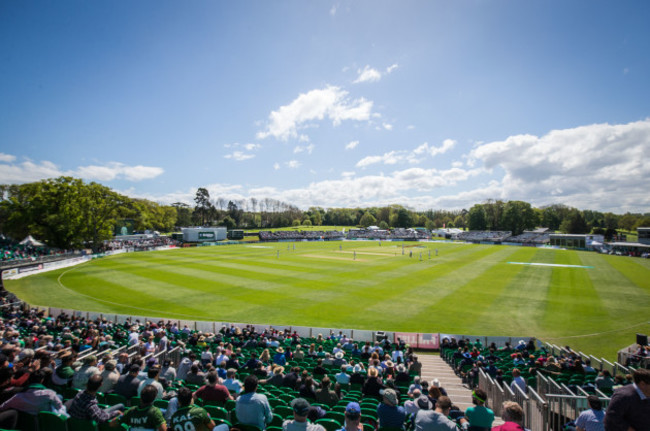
(429, 104)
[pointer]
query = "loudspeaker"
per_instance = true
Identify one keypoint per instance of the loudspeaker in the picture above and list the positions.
(642, 339)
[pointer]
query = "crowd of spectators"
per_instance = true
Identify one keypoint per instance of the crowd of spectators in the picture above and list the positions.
(144, 243)
(533, 238)
(389, 234)
(284, 235)
(496, 236)
(125, 373)
(13, 251)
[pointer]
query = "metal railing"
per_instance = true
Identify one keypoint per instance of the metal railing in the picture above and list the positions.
(565, 408)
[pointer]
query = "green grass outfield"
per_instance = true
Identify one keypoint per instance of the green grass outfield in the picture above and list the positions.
(466, 289)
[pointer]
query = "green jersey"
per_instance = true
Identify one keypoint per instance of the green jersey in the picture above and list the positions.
(140, 418)
(190, 418)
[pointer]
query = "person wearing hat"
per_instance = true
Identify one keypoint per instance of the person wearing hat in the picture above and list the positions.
(339, 359)
(480, 417)
(389, 413)
(411, 406)
(373, 384)
(83, 373)
(110, 376)
(352, 417)
(300, 407)
(231, 382)
(279, 357)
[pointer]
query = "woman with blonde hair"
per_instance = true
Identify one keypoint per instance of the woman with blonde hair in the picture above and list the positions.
(265, 356)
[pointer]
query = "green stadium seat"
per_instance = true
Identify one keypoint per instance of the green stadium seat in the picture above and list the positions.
(51, 422)
(81, 425)
(329, 424)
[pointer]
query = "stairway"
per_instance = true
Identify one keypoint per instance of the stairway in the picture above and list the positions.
(434, 367)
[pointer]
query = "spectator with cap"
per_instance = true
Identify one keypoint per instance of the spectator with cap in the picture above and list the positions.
(352, 417)
(436, 420)
(419, 402)
(593, 418)
(231, 382)
(253, 408)
(480, 417)
(84, 405)
(513, 417)
(128, 384)
(300, 407)
(279, 357)
(389, 413)
(373, 384)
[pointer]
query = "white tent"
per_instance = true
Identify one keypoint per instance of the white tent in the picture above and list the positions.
(30, 241)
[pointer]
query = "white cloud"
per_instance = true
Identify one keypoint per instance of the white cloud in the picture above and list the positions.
(276, 166)
(239, 156)
(293, 164)
(370, 74)
(352, 145)
(330, 102)
(29, 171)
(333, 9)
(600, 166)
(387, 126)
(307, 148)
(347, 174)
(303, 138)
(7, 158)
(413, 157)
(410, 127)
(367, 74)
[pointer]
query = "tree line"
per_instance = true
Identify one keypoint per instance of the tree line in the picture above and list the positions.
(67, 213)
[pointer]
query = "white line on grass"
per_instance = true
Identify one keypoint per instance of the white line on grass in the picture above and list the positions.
(559, 265)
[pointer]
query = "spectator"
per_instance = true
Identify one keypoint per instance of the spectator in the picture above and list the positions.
(629, 407)
(307, 388)
(480, 417)
(231, 383)
(373, 384)
(592, 419)
(35, 398)
(110, 376)
(152, 380)
(83, 373)
(128, 385)
(513, 416)
(191, 417)
(195, 376)
(343, 377)
(300, 408)
(389, 413)
(325, 395)
(144, 416)
(253, 408)
(604, 380)
(419, 402)
(84, 405)
(168, 372)
(517, 380)
(436, 420)
(352, 417)
(213, 391)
